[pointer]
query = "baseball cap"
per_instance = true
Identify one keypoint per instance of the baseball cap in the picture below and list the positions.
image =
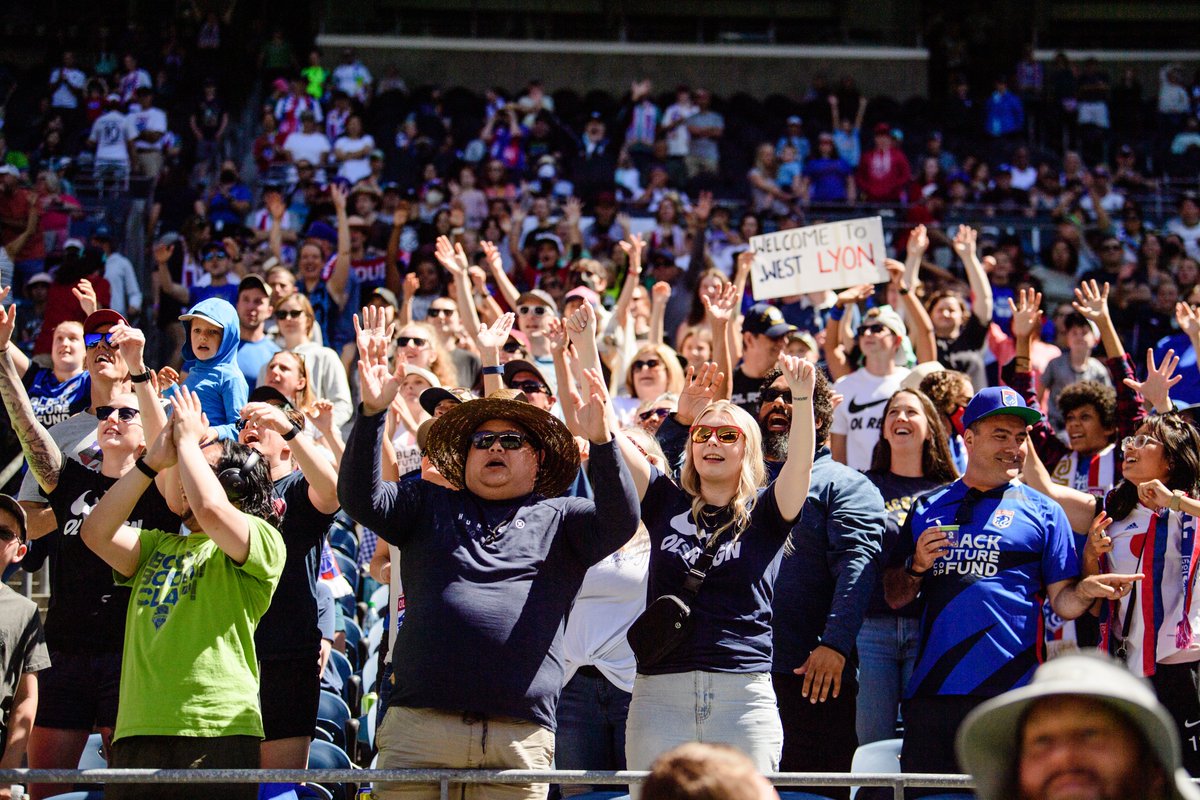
(551, 238)
(268, 394)
(13, 507)
(767, 320)
(41, 277)
(520, 365)
(9, 169)
(430, 378)
(102, 231)
(73, 243)
(519, 337)
(387, 295)
(885, 316)
(589, 296)
(214, 246)
(255, 282)
(537, 297)
(996, 400)
(988, 741)
(435, 394)
(98, 319)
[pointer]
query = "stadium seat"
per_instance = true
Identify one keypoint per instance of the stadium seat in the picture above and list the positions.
(92, 756)
(785, 795)
(343, 540)
(93, 795)
(370, 674)
(375, 636)
(355, 649)
(348, 567)
(333, 711)
(323, 755)
(880, 757)
(377, 602)
(351, 683)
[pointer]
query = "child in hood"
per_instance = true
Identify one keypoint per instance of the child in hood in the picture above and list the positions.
(211, 336)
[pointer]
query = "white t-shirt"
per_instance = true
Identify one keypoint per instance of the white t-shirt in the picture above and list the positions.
(1024, 179)
(1190, 236)
(110, 132)
(353, 79)
(678, 140)
(64, 97)
(148, 119)
(310, 147)
(355, 169)
(858, 416)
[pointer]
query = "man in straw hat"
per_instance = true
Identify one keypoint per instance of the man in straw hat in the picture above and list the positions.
(1086, 727)
(489, 568)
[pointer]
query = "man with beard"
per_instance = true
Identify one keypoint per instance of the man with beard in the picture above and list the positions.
(822, 592)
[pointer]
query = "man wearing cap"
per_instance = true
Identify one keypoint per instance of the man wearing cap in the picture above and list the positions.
(22, 643)
(214, 257)
(763, 334)
(125, 291)
(254, 309)
(288, 640)
(497, 564)
(534, 309)
(982, 553)
(1084, 727)
(527, 378)
(884, 171)
(855, 429)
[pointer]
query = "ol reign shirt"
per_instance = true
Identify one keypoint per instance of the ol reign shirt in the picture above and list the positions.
(981, 617)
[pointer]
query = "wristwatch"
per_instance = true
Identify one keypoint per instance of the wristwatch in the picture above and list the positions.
(1176, 500)
(908, 569)
(140, 378)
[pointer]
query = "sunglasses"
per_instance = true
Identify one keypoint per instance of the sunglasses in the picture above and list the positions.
(441, 312)
(124, 414)
(650, 363)
(875, 328)
(537, 311)
(215, 256)
(509, 440)
(530, 387)
(726, 434)
(512, 347)
(7, 535)
(415, 341)
(1137, 442)
(767, 396)
(660, 413)
(293, 314)
(90, 340)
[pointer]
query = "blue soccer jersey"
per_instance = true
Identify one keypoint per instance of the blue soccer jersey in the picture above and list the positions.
(981, 623)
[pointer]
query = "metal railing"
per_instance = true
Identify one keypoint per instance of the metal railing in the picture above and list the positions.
(897, 782)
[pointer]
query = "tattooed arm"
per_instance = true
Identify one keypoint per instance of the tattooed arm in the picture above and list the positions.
(41, 453)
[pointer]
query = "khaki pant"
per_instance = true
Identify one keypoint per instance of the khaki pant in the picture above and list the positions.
(425, 738)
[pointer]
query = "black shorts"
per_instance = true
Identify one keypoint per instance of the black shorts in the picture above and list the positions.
(290, 694)
(184, 752)
(79, 691)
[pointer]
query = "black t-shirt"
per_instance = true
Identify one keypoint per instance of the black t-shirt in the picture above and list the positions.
(745, 391)
(965, 353)
(208, 117)
(87, 610)
(289, 628)
(899, 494)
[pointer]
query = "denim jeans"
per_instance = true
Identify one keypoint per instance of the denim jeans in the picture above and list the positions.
(887, 653)
(730, 707)
(591, 725)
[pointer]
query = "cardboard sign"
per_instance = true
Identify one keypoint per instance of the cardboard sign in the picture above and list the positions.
(834, 255)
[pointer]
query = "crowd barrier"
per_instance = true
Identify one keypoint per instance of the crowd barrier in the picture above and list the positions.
(444, 777)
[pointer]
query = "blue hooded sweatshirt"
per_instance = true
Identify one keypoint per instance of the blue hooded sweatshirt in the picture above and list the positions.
(218, 380)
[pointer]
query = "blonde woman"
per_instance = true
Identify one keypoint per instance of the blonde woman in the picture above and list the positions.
(654, 371)
(420, 347)
(720, 675)
(326, 375)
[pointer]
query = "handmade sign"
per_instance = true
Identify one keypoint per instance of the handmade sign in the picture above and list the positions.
(833, 255)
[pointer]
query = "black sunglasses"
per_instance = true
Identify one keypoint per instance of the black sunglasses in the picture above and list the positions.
(415, 341)
(509, 440)
(124, 414)
(441, 312)
(293, 314)
(875, 329)
(530, 387)
(512, 347)
(661, 413)
(90, 340)
(650, 363)
(771, 395)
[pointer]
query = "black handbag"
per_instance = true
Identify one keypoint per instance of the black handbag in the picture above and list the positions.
(667, 621)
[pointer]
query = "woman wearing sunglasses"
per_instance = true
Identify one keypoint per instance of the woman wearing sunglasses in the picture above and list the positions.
(654, 371)
(650, 415)
(326, 375)
(721, 673)
(420, 347)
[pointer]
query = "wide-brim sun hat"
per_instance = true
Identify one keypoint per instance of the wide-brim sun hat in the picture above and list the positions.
(988, 741)
(450, 440)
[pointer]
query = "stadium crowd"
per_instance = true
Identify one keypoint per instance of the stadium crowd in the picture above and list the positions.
(499, 355)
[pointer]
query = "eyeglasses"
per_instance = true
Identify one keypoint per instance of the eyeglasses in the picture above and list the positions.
(415, 341)
(537, 311)
(1137, 442)
(726, 434)
(767, 396)
(90, 340)
(530, 387)
(509, 440)
(512, 347)
(125, 414)
(875, 329)
(442, 312)
(292, 314)
(650, 363)
(7, 535)
(660, 413)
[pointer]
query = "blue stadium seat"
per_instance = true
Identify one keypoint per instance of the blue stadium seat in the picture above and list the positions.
(354, 643)
(323, 755)
(785, 795)
(343, 540)
(875, 758)
(92, 756)
(351, 683)
(333, 715)
(349, 568)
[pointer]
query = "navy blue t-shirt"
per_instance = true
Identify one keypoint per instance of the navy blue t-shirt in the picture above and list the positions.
(289, 628)
(732, 611)
(981, 617)
(899, 494)
(52, 400)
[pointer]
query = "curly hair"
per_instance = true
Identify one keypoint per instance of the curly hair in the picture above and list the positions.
(1090, 393)
(822, 399)
(945, 389)
(1181, 449)
(259, 499)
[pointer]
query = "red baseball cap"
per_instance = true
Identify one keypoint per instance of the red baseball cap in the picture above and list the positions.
(98, 319)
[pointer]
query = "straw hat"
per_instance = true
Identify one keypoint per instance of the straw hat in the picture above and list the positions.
(450, 439)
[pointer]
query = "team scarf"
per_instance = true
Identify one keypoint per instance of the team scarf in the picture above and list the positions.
(1095, 475)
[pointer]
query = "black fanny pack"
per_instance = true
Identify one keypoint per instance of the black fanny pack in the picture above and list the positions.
(667, 621)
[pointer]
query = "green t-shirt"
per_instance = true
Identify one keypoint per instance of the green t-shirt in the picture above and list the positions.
(189, 665)
(316, 77)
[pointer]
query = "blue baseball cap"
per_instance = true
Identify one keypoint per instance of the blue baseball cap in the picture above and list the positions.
(767, 320)
(996, 400)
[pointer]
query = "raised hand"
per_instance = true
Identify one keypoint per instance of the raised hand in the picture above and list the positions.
(555, 334)
(801, 376)
(85, 293)
(8, 322)
(964, 242)
(699, 390)
(633, 247)
(266, 416)
(1026, 312)
(400, 215)
(411, 285)
(745, 261)
(163, 253)
(1188, 319)
(1159, 381)
(581, 323)
(478, 279)
(660, 293)
(573, 210)
(131, 343)
(720, 308)
(918, 242)
(274, 204)
(373, 334)
(702, 210)
(378, 385)
(492, 256)
(593, 413)
(895, 271)
(854, 295)
(338, 195)
(1091, 300)
(495, 336)
(321, 415)
(188, 416)
(162, 453)
(1098, 539)
(164, 379)
(450, 257)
